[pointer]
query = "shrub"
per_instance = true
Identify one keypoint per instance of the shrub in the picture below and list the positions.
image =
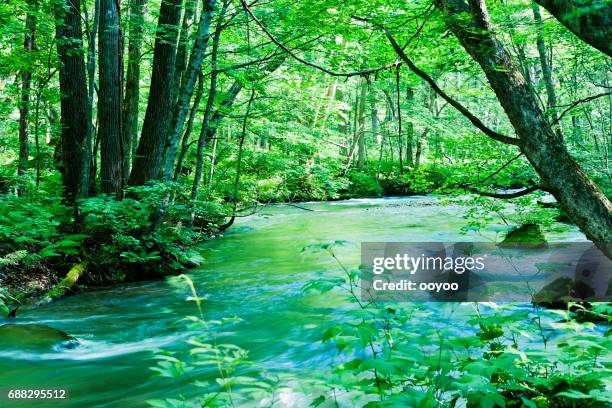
(363, 185)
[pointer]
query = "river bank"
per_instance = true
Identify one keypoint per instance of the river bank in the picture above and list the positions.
(256, 272)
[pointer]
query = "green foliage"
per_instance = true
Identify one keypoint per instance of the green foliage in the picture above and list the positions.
(230, 377)
(389, 355)
(114, 238)
(363, 185)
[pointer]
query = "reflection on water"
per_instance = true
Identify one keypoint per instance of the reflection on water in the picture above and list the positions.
(256, 272)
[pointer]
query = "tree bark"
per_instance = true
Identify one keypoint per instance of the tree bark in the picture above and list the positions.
(29, 45)
(591, 21)
(399, 120)
(577, 194)
(150, 152)
(410, 132)
(181, 48)
(109, 102)
(185, 142)
(186, 91)
(212, 93)
(132, 83)
(361, 125)
(89, 168)
(73, 90)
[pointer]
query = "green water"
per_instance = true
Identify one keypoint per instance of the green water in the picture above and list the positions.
(256, 271)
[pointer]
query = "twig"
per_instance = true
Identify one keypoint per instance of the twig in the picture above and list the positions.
(578, 102)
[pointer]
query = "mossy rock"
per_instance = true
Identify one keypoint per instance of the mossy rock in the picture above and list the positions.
(34, 337)
(530, 234)
(557, 293)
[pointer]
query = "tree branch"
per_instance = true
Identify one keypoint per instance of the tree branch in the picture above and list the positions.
(475, 121)
(502, 167)
(578, 102)
(310, 64)
(521, 193)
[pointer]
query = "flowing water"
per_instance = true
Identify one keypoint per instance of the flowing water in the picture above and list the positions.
(256, 271)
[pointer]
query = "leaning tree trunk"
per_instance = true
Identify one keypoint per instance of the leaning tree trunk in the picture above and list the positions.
(577, 194)
(24, 103)
(149, 155)
(73, 91)
(109, 100)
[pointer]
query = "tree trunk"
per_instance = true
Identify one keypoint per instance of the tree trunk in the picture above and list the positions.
(185, 143)
(410, 132)
(109, 102)
(226, 104)
(181, 48)
(399, 120)
(188, 84)
(132, 83)
(212, 93)
(361, 125)
(150, 153)
(24, 103)
(583, 200)
(73, 91)
(591, 21)
(89, 168)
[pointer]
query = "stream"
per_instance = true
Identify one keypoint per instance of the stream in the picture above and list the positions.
(256, 271)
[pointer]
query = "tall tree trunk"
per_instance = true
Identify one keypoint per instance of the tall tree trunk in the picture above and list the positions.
(109, 102)
(89, 168)
(399, 119)
(188, 84)
(73, 91)
(583, 200)
(212, 93)
(181, 48)
(150, 152)
(24, 103)
(213, 159)
(591, 21)
(410, 132)
(132, 83)
(361, 125)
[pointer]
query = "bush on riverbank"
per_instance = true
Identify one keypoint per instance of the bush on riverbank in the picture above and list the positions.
(117, 240)
(391, 355)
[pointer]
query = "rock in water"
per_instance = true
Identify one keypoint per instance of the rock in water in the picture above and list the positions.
(34, 337)
(529, 234)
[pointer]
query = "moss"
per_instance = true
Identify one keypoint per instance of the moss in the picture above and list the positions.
(65, 284)
(525, 234)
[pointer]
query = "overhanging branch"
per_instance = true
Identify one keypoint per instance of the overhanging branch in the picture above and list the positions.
(307, 63)
(517, 194)
(462, 109)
